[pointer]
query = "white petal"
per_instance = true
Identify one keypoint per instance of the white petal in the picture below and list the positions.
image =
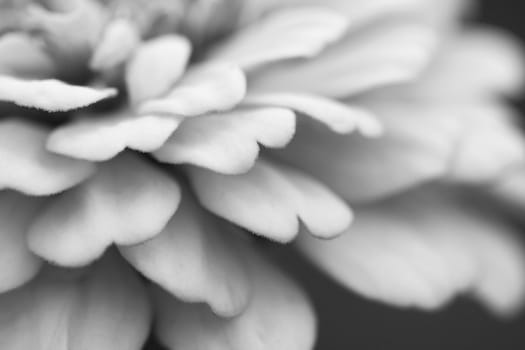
(104, 309)
(269, 199)
(298, 32)
(196, 258)
(126, 202)
(337, 116)
(118, 42)
(279, 317)
(228, 142)
(156, 66)
(23, 56)
(17, 264)
(99, 138)
(50, 95)
(208, 88)
(374, 57)
(26, 165)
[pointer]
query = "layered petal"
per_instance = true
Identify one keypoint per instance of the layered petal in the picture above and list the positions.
(127, 202)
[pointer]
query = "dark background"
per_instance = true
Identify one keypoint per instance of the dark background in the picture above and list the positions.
(347, 321)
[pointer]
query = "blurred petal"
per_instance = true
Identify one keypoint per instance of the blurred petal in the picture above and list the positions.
(298, 32)
(228, 142)
(279, 317)
(105, 309)
(50, 95)
(207, 88)
(99, 138)
(127, 202)
(196, 259)
(24, 56)
(337, 116)
(269, 199)
(17, 264)
(26, 165)
(156, 66)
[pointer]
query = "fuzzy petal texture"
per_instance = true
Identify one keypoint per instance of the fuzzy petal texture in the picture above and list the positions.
(127, 202)
(105, 308)
(228, 142)
(26, 165)
(279, 317)
(270, 199)
(197, 259)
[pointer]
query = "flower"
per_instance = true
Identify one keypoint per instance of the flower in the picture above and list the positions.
(142, 141)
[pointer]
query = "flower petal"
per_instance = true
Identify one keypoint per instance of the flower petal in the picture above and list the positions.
(269, 199)
(104, 137)
(297, 32)
(337, 116)
(50, 95)
(17, 264)
(374, 57)
(118, 42)
(126, 202)
(156, 66)
(26, 165)
(22, 56)
(228, 142)
(104, 309)
(208, 88)
(196, 259)
(279, 317)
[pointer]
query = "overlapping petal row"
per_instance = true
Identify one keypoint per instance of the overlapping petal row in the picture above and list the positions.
(150, 137)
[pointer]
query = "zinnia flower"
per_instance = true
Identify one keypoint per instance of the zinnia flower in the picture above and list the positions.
(145, 144)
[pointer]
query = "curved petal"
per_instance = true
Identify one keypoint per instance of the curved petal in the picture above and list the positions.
(207, 88)
(27, 166)
(296, 32)
(279, 317)
(196, 258)
(269, 199)
(22, 56)
(104, 309)
(228, 142)
(103, 137)
(127, 202)
(156, 66)
(17, 264)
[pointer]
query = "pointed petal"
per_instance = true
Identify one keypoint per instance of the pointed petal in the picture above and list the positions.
(103, 137)
(208, 88)
(126, 202)
(17, 264)
(269, 200)
(279, 317)
(26, 165)
(228, 142)
(156, 66)
(104, 309)
(196, 259)
(297, 32)
(337, 116)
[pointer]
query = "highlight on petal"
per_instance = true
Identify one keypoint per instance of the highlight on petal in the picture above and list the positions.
(211, 87)
(270, 199)
(17, 264)
(296, 32)
(22, 56)
(228, 142)
(156, 66)
(423, 248)
(337, 116)
(378, 56)
(127, 202)
(119, 40)
(279, 317)
(196, 258)
(102, 137)
(26, 165)
(105, 308)
(50, 95)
